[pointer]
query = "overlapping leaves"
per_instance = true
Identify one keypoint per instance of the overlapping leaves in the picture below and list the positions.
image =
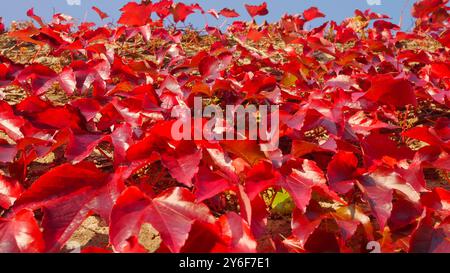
(364, 133)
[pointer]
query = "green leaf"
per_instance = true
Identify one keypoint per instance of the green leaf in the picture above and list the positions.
(282, 203)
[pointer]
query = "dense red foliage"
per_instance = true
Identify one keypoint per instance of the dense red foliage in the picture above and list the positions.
(351, 161)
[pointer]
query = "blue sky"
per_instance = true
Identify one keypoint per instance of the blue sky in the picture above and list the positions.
(334, 9)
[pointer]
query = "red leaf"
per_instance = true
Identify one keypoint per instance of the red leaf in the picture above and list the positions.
(341, 171)
(403, 214)
(57, 184)
(100, 13)
(181, 11)
(209, 66)
(429, 237)
(363, 124)
(134, 14)
(382, 25)
(346, 111)
(349, 217)
(10, 190)
(440, 70)
(162, 8)
(259, 178)
(387, 90)
(245, 149)
(25, 35)
(378, 187)
(301, 180)
(208, 184)
(174, 227)
(88, 107)
(423, 8)
(9, 122)
(229, 13)
(378, 146)
(40, 76)
(304, 224)
(312, 13)
(182, 162)
(7, 153)
(86, 74)
(202, 238)
(301, 148)
(322, 241)
(81, 146)
(172, 214)
(2, 26)
(427, 135)
(57, 118)
(122, 139)
(260, 214)
(30, 13)
(68, 194)
(438, 199)
(236, 235)
(255, 35)
(32, 105)
(67, 80)
(93, 249)
(260, 10)
(20, 233)
(127, 217)
(158, 134)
